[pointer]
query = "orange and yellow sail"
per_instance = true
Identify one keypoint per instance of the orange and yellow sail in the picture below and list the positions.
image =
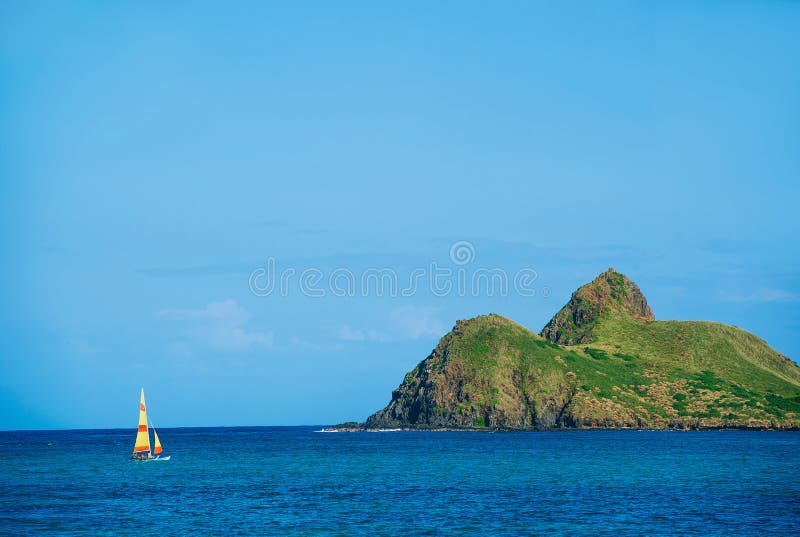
(157, 447)
(142, 437)
(142, 444)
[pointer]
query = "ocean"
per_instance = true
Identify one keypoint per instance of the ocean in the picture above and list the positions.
(295, 481)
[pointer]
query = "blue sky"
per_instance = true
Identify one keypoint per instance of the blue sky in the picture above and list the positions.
(153, 156)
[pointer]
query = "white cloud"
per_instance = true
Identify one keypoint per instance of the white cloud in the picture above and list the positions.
(227, 311)
(302, 343)
(403, 323)
(218, 325)
(760, 295)
(414, 322)
(348, 333)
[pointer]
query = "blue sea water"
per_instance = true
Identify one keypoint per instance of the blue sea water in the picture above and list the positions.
(295, 481)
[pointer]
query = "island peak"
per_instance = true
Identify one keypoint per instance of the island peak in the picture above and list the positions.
(611, 292)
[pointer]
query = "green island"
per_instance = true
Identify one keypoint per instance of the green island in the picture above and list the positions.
(602, 361)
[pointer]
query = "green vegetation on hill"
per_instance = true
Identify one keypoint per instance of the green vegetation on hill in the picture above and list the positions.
(611, 292)
(627, 371)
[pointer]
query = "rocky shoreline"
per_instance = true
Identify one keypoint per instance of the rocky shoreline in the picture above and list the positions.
(348, 429)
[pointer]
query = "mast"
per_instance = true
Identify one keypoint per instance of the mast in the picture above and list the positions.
(142, 436)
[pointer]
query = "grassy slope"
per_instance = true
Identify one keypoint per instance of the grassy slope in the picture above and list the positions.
(657, 374)
(492, 347)
(705, 369)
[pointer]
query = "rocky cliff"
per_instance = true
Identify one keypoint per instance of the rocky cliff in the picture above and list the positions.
(610, 291)
(479, 376)
(616, 367)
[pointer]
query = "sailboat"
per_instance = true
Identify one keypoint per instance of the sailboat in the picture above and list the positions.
(141, 449)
